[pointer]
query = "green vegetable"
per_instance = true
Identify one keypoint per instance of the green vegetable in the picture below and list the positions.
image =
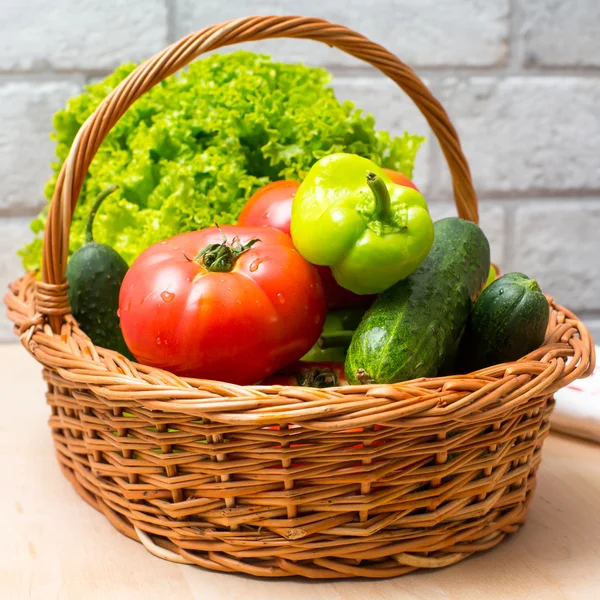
(349, 215)
(95, 273)
(491, 276)
(194, 148)
(508, 321)
(413, 328)
(337, 334)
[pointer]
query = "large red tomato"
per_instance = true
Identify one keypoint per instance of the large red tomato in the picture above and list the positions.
(272, 205)
(232, 310)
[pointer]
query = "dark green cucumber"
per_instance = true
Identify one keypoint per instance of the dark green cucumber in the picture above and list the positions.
(508, 321)
(95, 273)
(413, 328)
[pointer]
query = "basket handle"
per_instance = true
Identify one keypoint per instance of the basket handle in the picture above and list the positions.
(51, 291)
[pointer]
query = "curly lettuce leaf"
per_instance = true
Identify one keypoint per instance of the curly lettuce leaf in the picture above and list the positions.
(194, 148)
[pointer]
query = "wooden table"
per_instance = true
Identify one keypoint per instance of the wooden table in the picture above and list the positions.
(54, 546)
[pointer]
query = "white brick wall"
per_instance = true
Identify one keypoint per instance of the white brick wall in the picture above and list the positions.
(519, 78)
(26, 110)
(71, 35)
(457, 32)
(13, 233)
(527, 134)
(560, 33)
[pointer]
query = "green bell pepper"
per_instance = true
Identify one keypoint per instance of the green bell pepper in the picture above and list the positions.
(349, 215)
(337, 333)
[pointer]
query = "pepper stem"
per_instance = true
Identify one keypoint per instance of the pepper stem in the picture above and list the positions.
(383, 207)
(338, 339)
(220, 258)
(89, 225)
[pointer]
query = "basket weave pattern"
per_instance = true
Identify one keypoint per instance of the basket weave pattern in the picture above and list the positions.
(370, 481)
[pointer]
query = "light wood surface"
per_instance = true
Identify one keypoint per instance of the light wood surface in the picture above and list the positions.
(54, 546)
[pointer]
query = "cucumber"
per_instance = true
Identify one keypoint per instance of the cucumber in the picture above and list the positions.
(508, 321)
(414, 327)
(95, 273)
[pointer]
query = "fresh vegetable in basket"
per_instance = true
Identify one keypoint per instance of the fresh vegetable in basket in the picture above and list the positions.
(271, 206)
(413, 328)
(335, 337)
(232, 304)
(491, 276)
(194, 148)
(347, 214)
(508, 321)
(95, 272)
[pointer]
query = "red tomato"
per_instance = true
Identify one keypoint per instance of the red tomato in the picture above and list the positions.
(237, 325)
(309, 374)
(271, 205)
(400, 179)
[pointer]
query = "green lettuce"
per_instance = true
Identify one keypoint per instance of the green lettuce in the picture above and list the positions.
(191, 151)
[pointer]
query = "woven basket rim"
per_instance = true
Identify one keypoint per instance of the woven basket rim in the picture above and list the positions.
(568, 353)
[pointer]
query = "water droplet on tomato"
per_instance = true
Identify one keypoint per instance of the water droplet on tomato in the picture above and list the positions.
(175, 247)
(163, 243)
(167, 296)
(267, 215)
(255, 264)
(128, 305)
(281, 298)
(158, 341)
(118, 312)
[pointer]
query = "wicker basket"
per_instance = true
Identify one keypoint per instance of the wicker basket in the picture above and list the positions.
(369, 481)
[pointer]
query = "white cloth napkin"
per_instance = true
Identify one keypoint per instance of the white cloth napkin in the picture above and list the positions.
(577, 410)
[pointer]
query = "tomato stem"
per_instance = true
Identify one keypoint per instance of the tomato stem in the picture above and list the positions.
(383, 208)
(220, 258)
